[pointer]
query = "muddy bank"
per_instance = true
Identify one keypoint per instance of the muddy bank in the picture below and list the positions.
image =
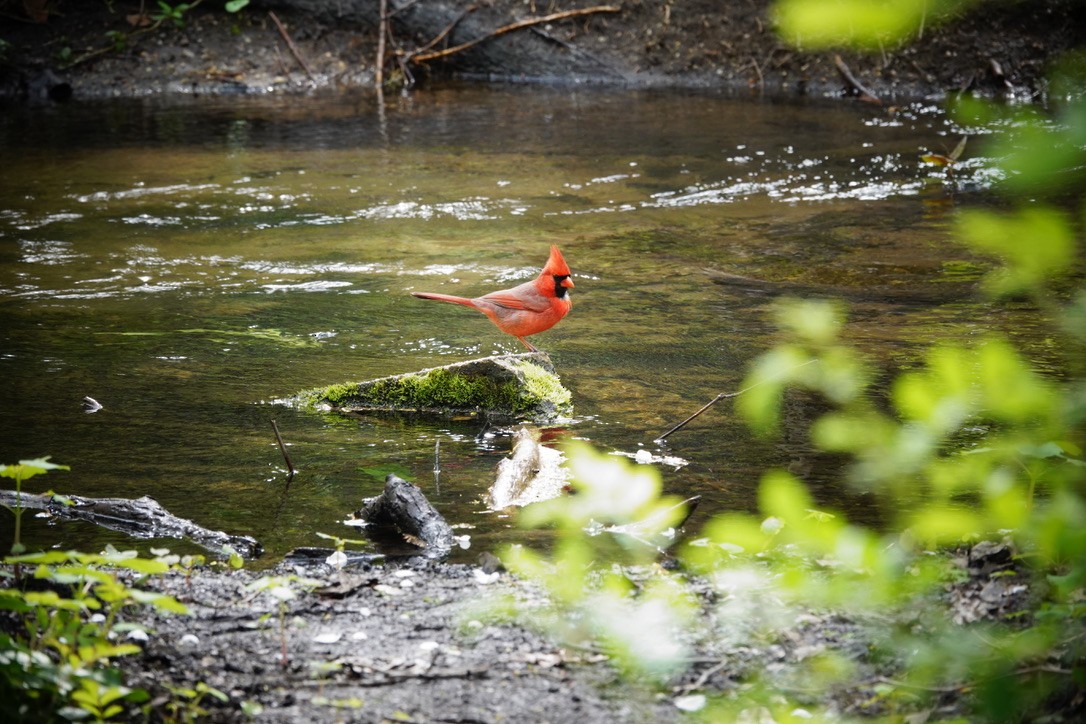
(417, 640)
(375, 644)
(89, 50)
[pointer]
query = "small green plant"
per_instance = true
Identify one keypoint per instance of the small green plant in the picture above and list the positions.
(637, 622)
(186, 702)
(73, 628)
(118, 40)
(21, 472)
(172, 13)
(339, 559)
(282, 590)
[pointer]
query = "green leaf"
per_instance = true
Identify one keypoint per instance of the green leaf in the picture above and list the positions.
(871, 24)
(781, 495)
(27, 469)
(1036, 245)
(161, 601)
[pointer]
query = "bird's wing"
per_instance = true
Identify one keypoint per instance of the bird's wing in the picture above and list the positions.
(509, 300)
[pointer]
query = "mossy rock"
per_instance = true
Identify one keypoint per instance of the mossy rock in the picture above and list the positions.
(506, 387)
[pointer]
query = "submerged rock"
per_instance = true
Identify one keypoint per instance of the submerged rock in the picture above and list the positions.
(505, 387)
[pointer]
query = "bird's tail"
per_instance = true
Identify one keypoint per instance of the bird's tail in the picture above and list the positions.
(444, 298)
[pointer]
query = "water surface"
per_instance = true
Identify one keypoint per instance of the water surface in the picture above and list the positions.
(186, 263)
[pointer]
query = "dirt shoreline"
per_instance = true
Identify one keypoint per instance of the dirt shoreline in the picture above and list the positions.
(411, 639)
(96, 50)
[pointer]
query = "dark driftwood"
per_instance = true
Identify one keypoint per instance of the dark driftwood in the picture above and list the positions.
(404, 507)
(140, 518)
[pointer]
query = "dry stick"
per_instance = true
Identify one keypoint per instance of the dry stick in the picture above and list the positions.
(382, 33)
(423, 57)
(448, 29)
(856, 85)
(705, 676)
(723, 396)
(758, 70)
(290, 44)
(704, 407)
(283, 448)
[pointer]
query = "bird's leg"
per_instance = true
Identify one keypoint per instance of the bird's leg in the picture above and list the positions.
(531, 347)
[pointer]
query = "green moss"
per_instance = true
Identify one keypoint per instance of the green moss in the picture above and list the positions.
(543, 385)
(334, 395)
(506, 388)
(438, 389)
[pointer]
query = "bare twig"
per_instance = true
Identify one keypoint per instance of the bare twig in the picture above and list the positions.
(704, 407)
(283, 449)
(858, 87)
(574, 50)
(703, 679)
(519, 25)
(723, 396)
(290, 44)
(382, 34)
(448, 29)
(758, 70)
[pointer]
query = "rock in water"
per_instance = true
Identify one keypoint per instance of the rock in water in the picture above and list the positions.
(533, 473)
(505, 387)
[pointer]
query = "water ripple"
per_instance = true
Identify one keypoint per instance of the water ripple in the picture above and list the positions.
(140, 191)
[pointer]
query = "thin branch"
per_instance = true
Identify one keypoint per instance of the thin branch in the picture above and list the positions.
(448, 29)
(290, 44)
(283, 449)
(858, 87)
(724, 396)
(703, 679)
(704, 407)
(519, 25)
(382, 34)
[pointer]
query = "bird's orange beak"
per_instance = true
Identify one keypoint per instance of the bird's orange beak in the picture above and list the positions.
(567, 283)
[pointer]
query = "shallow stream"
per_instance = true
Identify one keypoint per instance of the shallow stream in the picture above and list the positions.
(188, 262)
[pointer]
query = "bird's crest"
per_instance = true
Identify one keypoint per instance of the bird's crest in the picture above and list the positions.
(556, 265)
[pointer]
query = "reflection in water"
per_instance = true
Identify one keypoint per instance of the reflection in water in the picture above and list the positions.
(186, 263)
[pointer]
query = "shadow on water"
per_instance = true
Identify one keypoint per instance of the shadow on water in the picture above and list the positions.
(186, 263)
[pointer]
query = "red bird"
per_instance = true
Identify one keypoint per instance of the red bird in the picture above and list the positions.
(528, 308)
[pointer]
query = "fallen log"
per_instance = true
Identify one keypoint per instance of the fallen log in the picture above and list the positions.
(140, 518)
(404, 507)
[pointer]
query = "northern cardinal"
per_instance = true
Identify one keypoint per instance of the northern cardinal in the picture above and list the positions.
(528, 308)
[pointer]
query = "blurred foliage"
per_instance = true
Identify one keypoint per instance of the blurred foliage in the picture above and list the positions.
(601, 605)
(972, 444)
(871, 24)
